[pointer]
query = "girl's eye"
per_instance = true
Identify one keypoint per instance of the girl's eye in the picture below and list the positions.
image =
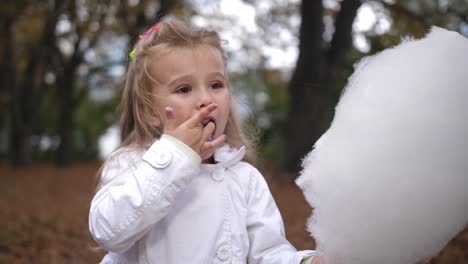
(217, 85)
(184, 89)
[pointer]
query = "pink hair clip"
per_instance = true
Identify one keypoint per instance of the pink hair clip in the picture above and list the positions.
(144, 35)
(151, 30)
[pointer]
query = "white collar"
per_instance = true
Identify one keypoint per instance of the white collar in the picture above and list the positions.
(226, 156)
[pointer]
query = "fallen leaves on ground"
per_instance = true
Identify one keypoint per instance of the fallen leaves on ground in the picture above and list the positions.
(44, 214)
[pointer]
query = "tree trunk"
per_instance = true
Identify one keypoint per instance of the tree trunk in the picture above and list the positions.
(305, 88)
(67, 106)
(311, 91)
(20, 103)
(340, 45)
(65, 130)
(7, 74)
(24, 92)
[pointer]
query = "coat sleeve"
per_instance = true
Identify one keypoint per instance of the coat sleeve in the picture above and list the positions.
(138, 191)
(265, 227)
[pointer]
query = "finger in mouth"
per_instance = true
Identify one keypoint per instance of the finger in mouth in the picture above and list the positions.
(205, 122)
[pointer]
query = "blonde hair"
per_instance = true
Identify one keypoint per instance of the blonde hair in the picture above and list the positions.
(136, 103)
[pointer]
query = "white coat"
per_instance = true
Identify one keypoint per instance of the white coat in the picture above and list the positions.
(162, 206)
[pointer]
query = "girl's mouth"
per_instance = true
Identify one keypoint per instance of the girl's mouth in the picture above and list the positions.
(205, 122)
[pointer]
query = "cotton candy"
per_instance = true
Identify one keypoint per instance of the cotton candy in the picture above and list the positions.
(389, 180)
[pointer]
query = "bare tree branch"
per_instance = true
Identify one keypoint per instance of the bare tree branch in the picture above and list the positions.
(342, 38)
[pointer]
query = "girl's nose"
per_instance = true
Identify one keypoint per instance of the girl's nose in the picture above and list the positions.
(205, 99)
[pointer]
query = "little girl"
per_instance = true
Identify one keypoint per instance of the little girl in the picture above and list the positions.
(179, 189)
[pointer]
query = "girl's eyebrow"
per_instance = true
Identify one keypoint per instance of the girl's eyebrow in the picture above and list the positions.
(188, 77)
(179, 79)
(216, 74)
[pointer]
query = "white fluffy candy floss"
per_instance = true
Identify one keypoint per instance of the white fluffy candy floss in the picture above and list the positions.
(389, 180)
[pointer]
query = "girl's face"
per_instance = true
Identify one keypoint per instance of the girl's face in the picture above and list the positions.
(189, 80)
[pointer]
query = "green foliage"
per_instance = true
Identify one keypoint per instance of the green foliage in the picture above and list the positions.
(274, 137)
(92, 120)
(267, 97)
(264, 90)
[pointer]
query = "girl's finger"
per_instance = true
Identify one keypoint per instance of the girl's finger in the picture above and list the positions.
(207, 154)
(207, 131)
(196, 120)
(170, 119)
(216, 143)
(315, 260)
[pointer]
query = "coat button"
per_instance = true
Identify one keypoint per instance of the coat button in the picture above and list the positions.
(218, 174)
(163, 159)
(224, 252)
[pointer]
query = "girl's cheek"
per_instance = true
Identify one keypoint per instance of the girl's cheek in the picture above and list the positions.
(182, 118)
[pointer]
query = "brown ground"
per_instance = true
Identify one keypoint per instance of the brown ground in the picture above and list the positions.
(44, 212)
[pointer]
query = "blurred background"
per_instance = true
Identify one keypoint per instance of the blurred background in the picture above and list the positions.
(62, 68)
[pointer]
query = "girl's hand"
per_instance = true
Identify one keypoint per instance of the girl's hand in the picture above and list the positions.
(316, 260)
(311, 260)
(192, 132)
